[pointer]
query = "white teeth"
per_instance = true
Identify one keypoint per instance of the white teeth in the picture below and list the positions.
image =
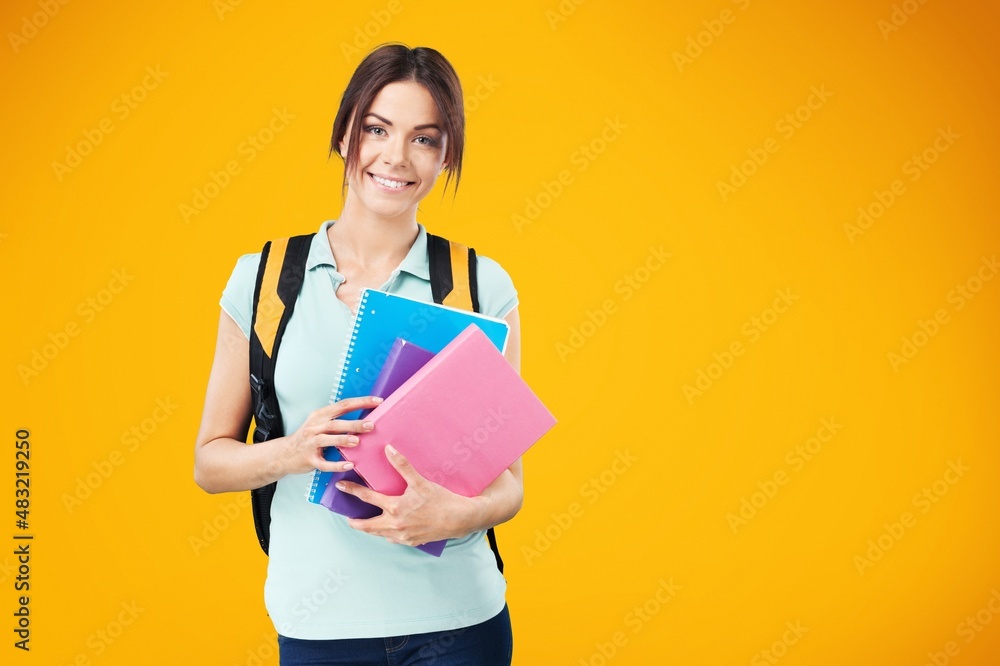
(389, 183)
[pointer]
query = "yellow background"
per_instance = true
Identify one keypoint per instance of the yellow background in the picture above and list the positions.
(596, 539)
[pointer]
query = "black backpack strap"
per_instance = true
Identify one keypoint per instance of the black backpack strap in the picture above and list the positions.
(279, 279)
(447, 260)
(491, 535)
(454, 283)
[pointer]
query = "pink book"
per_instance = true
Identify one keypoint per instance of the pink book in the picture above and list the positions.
(461, 420)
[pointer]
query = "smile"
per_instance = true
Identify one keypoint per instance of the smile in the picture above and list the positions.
(390, 184)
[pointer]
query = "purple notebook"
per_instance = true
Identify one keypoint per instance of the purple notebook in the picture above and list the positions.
(403, 360)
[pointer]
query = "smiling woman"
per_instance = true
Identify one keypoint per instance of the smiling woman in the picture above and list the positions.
(398, 155)
(373, 88)
(399, 126)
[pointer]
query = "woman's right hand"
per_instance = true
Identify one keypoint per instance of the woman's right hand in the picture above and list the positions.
(302, 451)
(224, 462)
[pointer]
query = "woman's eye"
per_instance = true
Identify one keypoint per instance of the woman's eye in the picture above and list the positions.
(427, 141)
(374, 129)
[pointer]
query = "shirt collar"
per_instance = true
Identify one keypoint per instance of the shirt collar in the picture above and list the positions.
(415, 262)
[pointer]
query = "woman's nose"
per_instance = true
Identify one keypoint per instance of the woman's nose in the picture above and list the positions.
(394, 152)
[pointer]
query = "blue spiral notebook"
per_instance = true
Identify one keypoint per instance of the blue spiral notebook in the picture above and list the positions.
(381, 318)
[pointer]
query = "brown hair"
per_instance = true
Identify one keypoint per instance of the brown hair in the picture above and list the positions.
(389, 63)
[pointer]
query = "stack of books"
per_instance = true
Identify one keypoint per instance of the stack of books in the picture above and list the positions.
(454, 406)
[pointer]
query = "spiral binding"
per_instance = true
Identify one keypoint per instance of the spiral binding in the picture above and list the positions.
(345, 361)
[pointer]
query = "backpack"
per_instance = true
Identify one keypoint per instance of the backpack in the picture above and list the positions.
(279, 279)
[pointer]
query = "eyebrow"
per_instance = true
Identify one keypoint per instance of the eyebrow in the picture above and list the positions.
(418, 127)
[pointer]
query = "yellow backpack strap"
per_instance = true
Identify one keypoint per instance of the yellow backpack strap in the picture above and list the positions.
(268, 308)
(453, 273)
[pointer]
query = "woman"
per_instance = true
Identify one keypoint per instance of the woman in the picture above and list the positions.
(354, 591)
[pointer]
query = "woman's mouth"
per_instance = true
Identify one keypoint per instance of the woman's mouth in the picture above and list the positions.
(389, 184)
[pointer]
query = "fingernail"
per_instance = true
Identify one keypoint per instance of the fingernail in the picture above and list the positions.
(391, 449)
(351, 439)
(375, 398)
(348, 466)
(340, 486)
(367, 425)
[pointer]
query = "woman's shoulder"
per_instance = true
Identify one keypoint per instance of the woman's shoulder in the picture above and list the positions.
(247, 263)
(497, 294)
(237, 296)
(244, 272)
(490, 272)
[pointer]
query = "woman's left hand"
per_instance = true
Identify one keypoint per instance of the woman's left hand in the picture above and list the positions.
(424, 512)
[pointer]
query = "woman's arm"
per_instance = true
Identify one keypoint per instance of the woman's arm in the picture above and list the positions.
(427, 511)
(223, 462)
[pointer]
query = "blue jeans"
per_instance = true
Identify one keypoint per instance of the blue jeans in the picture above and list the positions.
(489, 643)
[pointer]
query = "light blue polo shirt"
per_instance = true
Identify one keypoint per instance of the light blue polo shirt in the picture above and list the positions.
(324, 579)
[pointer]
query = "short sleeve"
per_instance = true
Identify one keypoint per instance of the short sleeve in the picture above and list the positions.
(237, 297)
(497, 295)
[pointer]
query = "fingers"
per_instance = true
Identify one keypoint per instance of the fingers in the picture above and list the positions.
(338, 426)
(303, 450)
(367, 525)
(321, 432)
(340, 441)
(367, 495)
(383, 526)
(324, 465)
(403, 466)
(348, 405)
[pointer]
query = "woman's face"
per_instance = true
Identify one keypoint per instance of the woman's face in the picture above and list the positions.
(401, 153)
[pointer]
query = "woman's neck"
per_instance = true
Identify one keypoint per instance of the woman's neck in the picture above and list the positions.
(370, 241)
